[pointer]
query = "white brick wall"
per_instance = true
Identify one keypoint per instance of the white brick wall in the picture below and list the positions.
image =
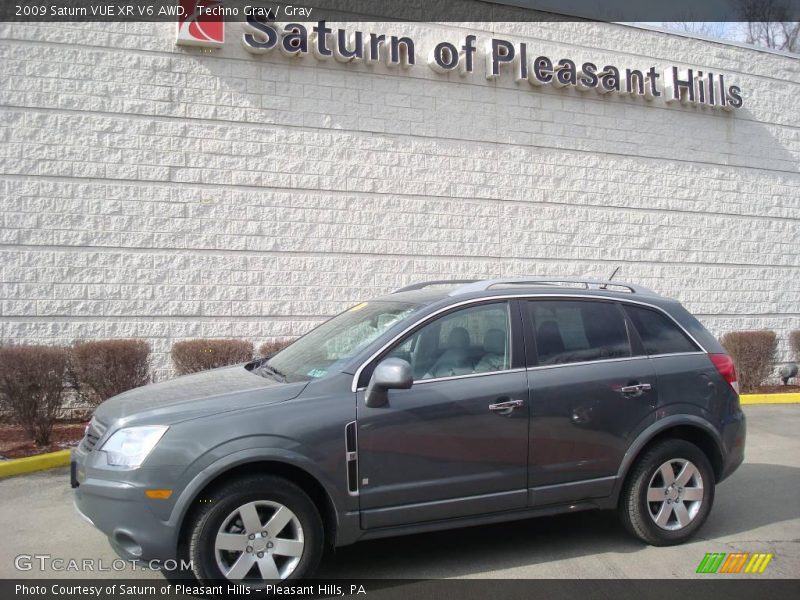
(168, 193)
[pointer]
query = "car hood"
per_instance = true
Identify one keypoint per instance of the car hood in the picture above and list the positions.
(199, 394)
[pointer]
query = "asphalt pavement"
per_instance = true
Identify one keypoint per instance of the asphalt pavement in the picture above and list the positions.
(756, 510)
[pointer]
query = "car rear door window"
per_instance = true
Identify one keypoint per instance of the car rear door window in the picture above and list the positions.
(659, 334)
(578, 331)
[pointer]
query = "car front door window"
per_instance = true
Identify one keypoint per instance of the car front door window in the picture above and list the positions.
(469, 341)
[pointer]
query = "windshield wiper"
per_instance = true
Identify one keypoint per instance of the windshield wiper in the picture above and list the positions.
(280, 376)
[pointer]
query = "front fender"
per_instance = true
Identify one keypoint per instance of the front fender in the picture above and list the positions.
(250, 455)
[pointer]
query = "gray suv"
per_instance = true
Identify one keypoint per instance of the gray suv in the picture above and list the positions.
(444, 404)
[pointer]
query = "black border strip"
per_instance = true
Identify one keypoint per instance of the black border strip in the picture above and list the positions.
(651, 11)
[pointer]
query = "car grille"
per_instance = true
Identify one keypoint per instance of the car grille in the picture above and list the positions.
(93, 433)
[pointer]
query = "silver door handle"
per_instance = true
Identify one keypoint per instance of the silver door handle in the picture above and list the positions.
(506, 407)
(635, 389)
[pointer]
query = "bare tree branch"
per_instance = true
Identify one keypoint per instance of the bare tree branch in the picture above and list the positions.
(768, 24)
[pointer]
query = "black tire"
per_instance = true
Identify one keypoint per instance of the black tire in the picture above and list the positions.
(216, 508)
(634, 509)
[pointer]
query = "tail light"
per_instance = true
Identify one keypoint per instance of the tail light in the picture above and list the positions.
(726, 368)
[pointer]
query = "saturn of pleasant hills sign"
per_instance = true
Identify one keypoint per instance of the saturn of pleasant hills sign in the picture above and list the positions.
(672, 84)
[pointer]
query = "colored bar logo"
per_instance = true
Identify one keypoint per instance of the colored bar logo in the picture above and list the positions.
(736, 562)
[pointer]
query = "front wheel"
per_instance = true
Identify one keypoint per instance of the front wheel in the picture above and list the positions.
(254, 530)
(668, 494)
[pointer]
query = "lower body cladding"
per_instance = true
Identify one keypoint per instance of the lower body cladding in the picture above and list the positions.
(581, 495)
(484, 519)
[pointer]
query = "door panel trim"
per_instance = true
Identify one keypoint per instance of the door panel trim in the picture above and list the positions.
(437, 510)
(573, 491)
(610, 360)
(487, 519)
(467, 376)
(586, 362)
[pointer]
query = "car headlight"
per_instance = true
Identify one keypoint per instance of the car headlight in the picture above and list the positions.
(129, 446)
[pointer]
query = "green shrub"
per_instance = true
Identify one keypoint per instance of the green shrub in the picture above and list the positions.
(192, 356)
(32, 384)
(753, 352)
(104, 368)
(270, 349)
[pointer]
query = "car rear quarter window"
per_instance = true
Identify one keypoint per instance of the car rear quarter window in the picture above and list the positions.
(578, 331)
(659, 334)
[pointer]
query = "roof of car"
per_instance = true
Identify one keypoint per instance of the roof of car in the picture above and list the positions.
(434, 291)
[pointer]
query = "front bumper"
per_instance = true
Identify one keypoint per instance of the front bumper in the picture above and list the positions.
(136, 526)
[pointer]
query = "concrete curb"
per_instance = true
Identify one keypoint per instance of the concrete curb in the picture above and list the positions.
(793, 398)
(29, 464)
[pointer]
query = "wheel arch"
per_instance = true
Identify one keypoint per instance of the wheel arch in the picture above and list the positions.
(294, 473)
(693, 429)
(697, 436)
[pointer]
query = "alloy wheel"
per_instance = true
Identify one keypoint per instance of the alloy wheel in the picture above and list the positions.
(675, 494)
(259, 541)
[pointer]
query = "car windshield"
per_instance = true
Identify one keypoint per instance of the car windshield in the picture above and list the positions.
(324, 349)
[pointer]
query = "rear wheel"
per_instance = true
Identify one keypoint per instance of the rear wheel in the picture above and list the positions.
(256, 529)
(668, 494)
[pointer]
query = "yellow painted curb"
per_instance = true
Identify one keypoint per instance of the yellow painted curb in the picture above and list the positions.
(793, 398)
(29, 464)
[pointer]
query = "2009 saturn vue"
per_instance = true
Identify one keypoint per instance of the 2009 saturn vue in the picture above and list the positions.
(442, 405)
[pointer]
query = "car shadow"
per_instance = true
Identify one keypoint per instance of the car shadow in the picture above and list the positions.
(755, 496)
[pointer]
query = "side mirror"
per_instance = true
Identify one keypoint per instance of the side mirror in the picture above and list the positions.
(391, 374)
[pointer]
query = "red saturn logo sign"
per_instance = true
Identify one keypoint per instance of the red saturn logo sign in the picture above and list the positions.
(198, 25)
